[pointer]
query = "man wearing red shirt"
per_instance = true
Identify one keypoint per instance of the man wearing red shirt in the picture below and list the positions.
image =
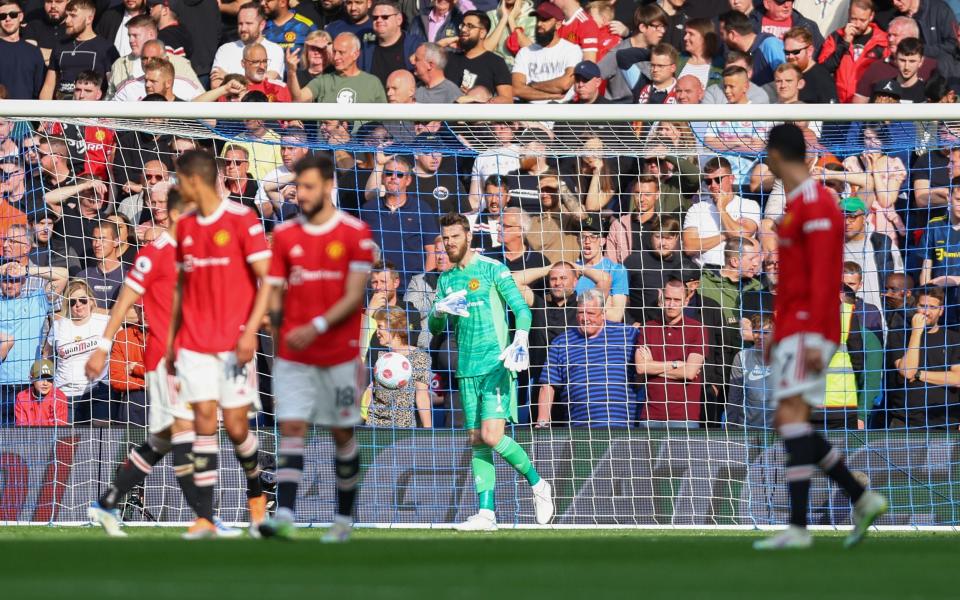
(255, 70)
(806, 332)
(578, 28)
(323, 259)
(222, 255)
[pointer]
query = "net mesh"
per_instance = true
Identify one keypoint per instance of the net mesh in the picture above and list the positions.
(535, 193)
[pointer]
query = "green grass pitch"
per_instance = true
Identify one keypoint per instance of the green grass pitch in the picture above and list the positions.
(79, 563)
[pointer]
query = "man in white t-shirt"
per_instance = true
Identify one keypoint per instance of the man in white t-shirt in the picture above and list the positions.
(719, 217)
(500, 160)
(251, 22)
(543, 71)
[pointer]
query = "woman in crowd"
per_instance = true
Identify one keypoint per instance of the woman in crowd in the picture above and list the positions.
(73, 337)
(879, 177)
(700, 45)
(316, 57)
(402, 406)
(595, 182)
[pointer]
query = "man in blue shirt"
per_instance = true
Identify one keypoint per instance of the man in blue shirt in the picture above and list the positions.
(941, 262)
(23, 317)
(598, 271)
(592, 367)
(285, 27)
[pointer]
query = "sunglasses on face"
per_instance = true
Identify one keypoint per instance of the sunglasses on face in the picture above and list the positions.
(795, 52)
(383, 17)
(79, 301)
(713, 180)
(13, 14)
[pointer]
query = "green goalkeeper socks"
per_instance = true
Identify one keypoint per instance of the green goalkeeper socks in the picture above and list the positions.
(517, 457)
(484, 475)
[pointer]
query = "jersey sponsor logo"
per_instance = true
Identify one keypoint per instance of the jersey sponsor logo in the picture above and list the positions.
(441, 193)
(78, 346)
(941, 253)
(221, 238)
(474, 285)
(143, 264)
(299, 275)
(336, 249)
(191, 262)
(817, 225)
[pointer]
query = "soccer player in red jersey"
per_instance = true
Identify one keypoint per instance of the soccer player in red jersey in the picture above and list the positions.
(222, 254)
(153, 279)
(318, 278)
(806, 332)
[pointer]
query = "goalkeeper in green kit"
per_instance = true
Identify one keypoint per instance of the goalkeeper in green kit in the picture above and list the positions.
(473, 296)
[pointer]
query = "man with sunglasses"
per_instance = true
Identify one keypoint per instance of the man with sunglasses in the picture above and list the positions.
(799, 48)
(391, 47)
(251, 21)
(21, 64)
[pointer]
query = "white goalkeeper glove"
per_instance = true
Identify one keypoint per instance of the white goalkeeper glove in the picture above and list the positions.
(516, 356)
(454, 304)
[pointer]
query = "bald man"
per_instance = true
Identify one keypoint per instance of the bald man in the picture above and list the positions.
(346, 85)
(401, 87)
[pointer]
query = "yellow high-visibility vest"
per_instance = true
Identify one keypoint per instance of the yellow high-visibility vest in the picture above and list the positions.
(841, 381)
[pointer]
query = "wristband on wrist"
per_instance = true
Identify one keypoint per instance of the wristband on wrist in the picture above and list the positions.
(105, 344)
(320, 324)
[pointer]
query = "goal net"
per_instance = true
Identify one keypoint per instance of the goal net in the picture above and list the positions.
(645, 247)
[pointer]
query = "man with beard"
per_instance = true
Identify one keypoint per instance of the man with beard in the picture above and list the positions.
(474, 65)
(525, 182)
(47, 31)
(356, 20)
(285, 26)
(251, 22)
(543, 71)
(83, 50)
(818, 84)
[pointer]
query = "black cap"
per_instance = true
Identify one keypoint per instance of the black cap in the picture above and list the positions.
(593, 223)
(887, 87)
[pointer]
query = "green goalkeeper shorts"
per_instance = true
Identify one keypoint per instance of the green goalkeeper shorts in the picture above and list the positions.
(489, 396)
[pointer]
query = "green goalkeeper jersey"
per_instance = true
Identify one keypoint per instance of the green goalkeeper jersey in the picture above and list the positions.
(483, 335)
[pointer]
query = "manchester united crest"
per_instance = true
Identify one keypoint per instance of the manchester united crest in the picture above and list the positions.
(335, 249)
(221, 238)
(474, 285)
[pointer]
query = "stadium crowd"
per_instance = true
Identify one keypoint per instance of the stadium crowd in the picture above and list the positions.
(651, 276)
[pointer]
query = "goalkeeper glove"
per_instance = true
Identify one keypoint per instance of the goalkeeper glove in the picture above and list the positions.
(516, 356)
(454, 304)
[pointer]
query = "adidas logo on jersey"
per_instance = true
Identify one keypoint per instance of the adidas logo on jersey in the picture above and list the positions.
(188, 241)
(296, 251)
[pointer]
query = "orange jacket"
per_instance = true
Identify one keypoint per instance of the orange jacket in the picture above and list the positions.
(127, 349)
(48, 411)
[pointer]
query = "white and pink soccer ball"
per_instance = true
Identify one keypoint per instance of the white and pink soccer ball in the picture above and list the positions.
(393, 370)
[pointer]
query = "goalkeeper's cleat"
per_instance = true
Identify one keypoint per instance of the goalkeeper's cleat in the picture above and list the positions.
(791, 538)
(225, 531)
(258, 514)
(201, 529)
(339, 532)
(867, 510)
(109, 519)
(280, 526)
(543, 501)
(485, 520)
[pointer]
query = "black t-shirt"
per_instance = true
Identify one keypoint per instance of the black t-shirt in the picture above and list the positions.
(442, 192)
(70, 57)
(488, 70)
(177, 40)
(819, 86)
(387, 59)
(935, 167)
(47, 35)
(923, 404)
(648, 273)
(74, 231)
(21, 70)
(908, 95)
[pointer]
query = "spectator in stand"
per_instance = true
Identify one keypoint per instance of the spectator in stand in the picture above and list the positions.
(925, 391)
(439, 190)
(317, 57)
(498, 159)
(487, 227)
(556, 310)
(128, 400)
(651, 266)
(111, 24)
(938, 24)
(346, 85)
(658, 88)
(240, 185)
(513, 23)
(718, 217)
(428, 64)
(474, 65)
(251, 22)
(422, 290)
(590, 368)
(277, 195)
(603, 14)
(788, 79)
(49, 30)
(91, 147)
(174, 36)
(141, 30)
(701, 52)
(868, 313)
(41, 404)
(676, 13)
(751, 387)
(716, 93)
(587, 83)
(438, 22)
(873, 251)
(21, 63)
(800, 49)
(9, 213)
(514, 251)
(356, 20)
(261, 142)
(941, 255)
(329, 11)
(255, 72)
(154, 172)
(630, 232)
(543, 71)
(689, 90)
(554, 228)
(106, 274)
(81, 207)
(766, 50)
(900, 28)
(159, 77)
(128, 239)
(24, 308)
(81, 50)
(18, 247)
(401, 407)
(908, 58)
(650, 23)
(670, 356)
(385, 293)
(55, 171)
(579, 28)
(391, 48)
(72, 338)
(777, 17)
(285, 26)
(598, 271)
(848, 52)
(740, 142)
(403, 227)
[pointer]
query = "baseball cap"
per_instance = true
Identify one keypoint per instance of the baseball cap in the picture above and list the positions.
(592, 223)
(853, 204)
(548, 10)
(888, 87)
(586, 69)
(41, 368)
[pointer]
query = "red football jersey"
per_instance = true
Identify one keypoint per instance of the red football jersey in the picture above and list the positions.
(581, 30)
(154, 277)
(811, 264)
(314, 260)
(219, 285)
(94, 147)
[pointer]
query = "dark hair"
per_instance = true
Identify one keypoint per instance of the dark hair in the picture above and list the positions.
(90, 77)
(931, 291)
(481, 16)
(646, 178)
(910, 46)
(174, 199)
(706, 28)
(154, 97)
(799, 33)
(852, 268)
(197, 163)
(734, 55)
(648, 14)
(497, 180)
(734, 71)
(787, 139)
(451, 219)
(736, 22)
(12, 2)
(735, 247)
(255, 96)
(936, 88)
(667, 226)
(109, 226)
(254, 6)
(82, 4)
(319, 161)
(716, 163)
(665, 49)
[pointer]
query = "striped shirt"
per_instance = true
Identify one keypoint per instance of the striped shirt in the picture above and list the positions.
(594, 376)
